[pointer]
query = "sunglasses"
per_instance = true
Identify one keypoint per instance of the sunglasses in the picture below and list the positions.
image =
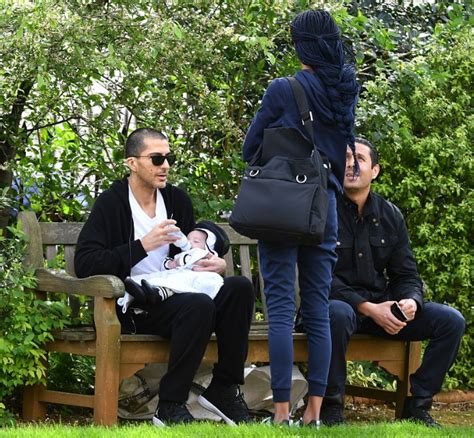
(158, 160)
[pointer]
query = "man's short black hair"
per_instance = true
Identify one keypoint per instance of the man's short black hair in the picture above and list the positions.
(374, 155)
(136, 140)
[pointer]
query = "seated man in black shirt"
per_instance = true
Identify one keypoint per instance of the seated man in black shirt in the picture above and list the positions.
(131, 231)
(375, 269)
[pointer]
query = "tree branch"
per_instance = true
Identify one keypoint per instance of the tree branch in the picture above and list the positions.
(37, 128)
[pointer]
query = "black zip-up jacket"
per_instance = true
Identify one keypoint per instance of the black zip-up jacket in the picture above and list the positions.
(375, 261)
(106, 244)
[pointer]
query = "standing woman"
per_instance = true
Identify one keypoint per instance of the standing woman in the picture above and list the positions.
(331, 91)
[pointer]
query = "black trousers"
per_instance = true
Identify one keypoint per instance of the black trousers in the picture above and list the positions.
(188, 320)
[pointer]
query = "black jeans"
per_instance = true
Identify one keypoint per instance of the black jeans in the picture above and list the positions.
(188, 320)
(442, 325)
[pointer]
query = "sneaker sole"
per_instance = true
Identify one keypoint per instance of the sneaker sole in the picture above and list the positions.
(206, 404)
(157, 422)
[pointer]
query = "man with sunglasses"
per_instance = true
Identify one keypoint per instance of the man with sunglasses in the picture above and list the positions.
(130, 232)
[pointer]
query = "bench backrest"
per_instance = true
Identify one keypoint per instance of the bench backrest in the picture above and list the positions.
(54, 242)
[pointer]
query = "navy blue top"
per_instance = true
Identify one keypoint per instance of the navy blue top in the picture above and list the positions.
(279, 109)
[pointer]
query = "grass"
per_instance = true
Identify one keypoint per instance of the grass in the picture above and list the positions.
(207, 429)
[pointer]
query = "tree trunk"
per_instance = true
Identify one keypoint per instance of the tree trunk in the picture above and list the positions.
(5, 181)
(10, 136)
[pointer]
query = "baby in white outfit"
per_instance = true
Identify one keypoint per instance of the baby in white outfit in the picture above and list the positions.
(178, 277)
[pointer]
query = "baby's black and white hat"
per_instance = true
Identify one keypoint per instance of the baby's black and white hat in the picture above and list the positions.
(217, 240)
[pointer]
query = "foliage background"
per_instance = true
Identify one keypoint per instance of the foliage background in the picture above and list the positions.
(26, 323)
(420, 116)
(77, 75)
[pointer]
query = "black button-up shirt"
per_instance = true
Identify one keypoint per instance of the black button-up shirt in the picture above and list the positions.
(375, 261)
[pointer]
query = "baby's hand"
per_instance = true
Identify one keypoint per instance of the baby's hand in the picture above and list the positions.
(172, 264)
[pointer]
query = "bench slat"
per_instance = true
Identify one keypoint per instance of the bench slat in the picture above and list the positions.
(69, 259)
(51, 252)
(60, 233)
(67, 398)
(234, 237)
(245, 261)
(229, 259)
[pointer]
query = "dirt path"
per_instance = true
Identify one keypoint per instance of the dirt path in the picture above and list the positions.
(460, 414)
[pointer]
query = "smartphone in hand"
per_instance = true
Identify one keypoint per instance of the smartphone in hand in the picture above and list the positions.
(398, 312)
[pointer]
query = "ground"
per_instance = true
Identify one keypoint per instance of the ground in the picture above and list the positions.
(460, 414)
(459, 411)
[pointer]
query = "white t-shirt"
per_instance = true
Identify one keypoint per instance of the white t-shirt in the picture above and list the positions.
(142, 224)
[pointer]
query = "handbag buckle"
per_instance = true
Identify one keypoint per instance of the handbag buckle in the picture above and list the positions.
(310, 113)
(254, 172)
(301, 179)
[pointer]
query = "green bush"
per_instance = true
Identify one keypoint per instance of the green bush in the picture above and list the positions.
(25, 322)
(367, 374)
(71, 373)
(420, 117)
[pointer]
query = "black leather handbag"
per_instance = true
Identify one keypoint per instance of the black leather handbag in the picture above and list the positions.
(283, 193)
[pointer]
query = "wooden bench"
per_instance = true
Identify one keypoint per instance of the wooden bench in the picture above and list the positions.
(119, 356)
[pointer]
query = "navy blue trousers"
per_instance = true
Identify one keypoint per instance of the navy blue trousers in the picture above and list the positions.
(440, 324)
(315, 266)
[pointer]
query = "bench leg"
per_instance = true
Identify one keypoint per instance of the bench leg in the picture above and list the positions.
(412, 363)
(402, 388)
(107, 363)
(33, 408)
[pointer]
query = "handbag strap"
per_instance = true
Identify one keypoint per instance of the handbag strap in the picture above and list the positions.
(303, 107)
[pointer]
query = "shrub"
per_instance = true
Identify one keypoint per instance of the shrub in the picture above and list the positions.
(25, 322)
(420, 118)
(71, 373)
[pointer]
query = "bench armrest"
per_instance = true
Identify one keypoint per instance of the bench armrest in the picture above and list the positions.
(105, 286)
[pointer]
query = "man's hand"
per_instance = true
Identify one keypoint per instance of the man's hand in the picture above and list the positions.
(382, 315)
(160, 235)
(210, 264)
(409, 307)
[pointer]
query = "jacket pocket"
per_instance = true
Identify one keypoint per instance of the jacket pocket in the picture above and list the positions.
(382, 248)
(383, 241)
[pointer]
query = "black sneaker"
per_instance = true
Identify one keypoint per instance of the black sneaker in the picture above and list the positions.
(332, 410)
(332, 414)
(417, 409)
(225, 401)
(169, 413)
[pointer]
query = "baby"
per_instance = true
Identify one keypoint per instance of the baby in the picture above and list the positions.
(178, 277)
(199, 244)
